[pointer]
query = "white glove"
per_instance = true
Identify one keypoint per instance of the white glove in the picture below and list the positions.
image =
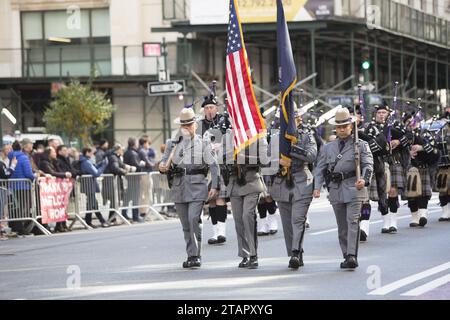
(133, 169)
(142, 163)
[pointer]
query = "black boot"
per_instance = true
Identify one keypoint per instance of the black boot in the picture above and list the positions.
(244, 263)
(253, 263)
(350, 262)
(296, 260)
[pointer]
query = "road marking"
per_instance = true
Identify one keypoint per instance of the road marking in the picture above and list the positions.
(408, 280)
(372, 222)
(428, 286)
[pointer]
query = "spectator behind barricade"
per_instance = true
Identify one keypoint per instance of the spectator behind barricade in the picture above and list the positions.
(144, 147)
(38, 154)
(90, 186)
(7, 148)
(49, 166)
(131, 156)
(118, 168)
(6, 170)
(27, 148)
(151, 153)
(64, 162)
(102, 150)
(21, 190)
(7, 167)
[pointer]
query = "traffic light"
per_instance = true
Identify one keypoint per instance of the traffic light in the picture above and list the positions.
(365, 58)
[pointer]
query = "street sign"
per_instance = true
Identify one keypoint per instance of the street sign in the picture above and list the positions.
(370, 86)
(166, 88)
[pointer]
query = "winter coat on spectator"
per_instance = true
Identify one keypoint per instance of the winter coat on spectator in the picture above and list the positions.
(23, 168)
(100, 155)
(115, 165)
(65, 166)
(131, 157)
(88, 168)
(143, 156)
(51, 167)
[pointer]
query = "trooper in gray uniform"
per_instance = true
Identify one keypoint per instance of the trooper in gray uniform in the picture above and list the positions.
(244, 188)
(293, 193)
(188, 162)
(336, 166)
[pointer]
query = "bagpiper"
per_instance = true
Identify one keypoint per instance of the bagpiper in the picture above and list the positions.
(424, 153)
(214, 127)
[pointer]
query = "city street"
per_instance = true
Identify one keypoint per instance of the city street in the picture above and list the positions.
(144, 262)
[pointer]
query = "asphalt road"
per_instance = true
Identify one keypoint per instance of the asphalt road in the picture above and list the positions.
(144, 262)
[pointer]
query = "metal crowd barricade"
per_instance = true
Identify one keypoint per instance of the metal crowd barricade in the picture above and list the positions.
(18, 202)
(160, 192)
(135, 193)
(97, 195)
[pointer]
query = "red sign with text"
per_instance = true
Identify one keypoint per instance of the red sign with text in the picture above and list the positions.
(54, 194)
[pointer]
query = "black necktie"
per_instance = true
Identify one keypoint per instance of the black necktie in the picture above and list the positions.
(341, 145)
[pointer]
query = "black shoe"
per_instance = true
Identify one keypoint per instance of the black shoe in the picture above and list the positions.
(385, 230)
(363, 236)
(296, 261)
(444, 219)
(253, 263)
(187, 263)
(105, 225)
(393, 230)
(413, 225)
(221, 239)
(244, 263)
(212, 241)
(350, 262)
(273, 232)
(196, 262)
(92, 226)
(263, 234)
(423, 221)
(307, 225)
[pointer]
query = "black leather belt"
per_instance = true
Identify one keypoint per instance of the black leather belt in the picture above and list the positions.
(191, 172)
(338, 177)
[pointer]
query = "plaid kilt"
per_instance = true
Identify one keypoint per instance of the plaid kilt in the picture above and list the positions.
(426, 181)
(373, 192)
(398, 175)
(222, 189)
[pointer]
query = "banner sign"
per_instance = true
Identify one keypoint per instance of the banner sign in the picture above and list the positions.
(54, 194)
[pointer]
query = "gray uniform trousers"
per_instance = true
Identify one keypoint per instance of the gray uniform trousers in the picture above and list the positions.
(344, 197)
(244, 200)
(347, 218)
(190, 191)
(244, 214)
(293, 217)
(191, 222)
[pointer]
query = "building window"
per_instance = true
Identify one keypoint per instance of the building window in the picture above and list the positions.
(58, 43)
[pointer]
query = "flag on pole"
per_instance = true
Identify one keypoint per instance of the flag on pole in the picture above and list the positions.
(248, 124)
(287, 77)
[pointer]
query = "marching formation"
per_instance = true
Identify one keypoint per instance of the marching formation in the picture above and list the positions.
(394, 156)
(388, 159)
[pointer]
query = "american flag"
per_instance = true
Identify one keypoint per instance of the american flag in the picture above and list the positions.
(248, 124)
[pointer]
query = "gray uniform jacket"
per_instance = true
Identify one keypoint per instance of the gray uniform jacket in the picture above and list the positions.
(192, 155)
(344, 192)
(255, 183)
(301, 175)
